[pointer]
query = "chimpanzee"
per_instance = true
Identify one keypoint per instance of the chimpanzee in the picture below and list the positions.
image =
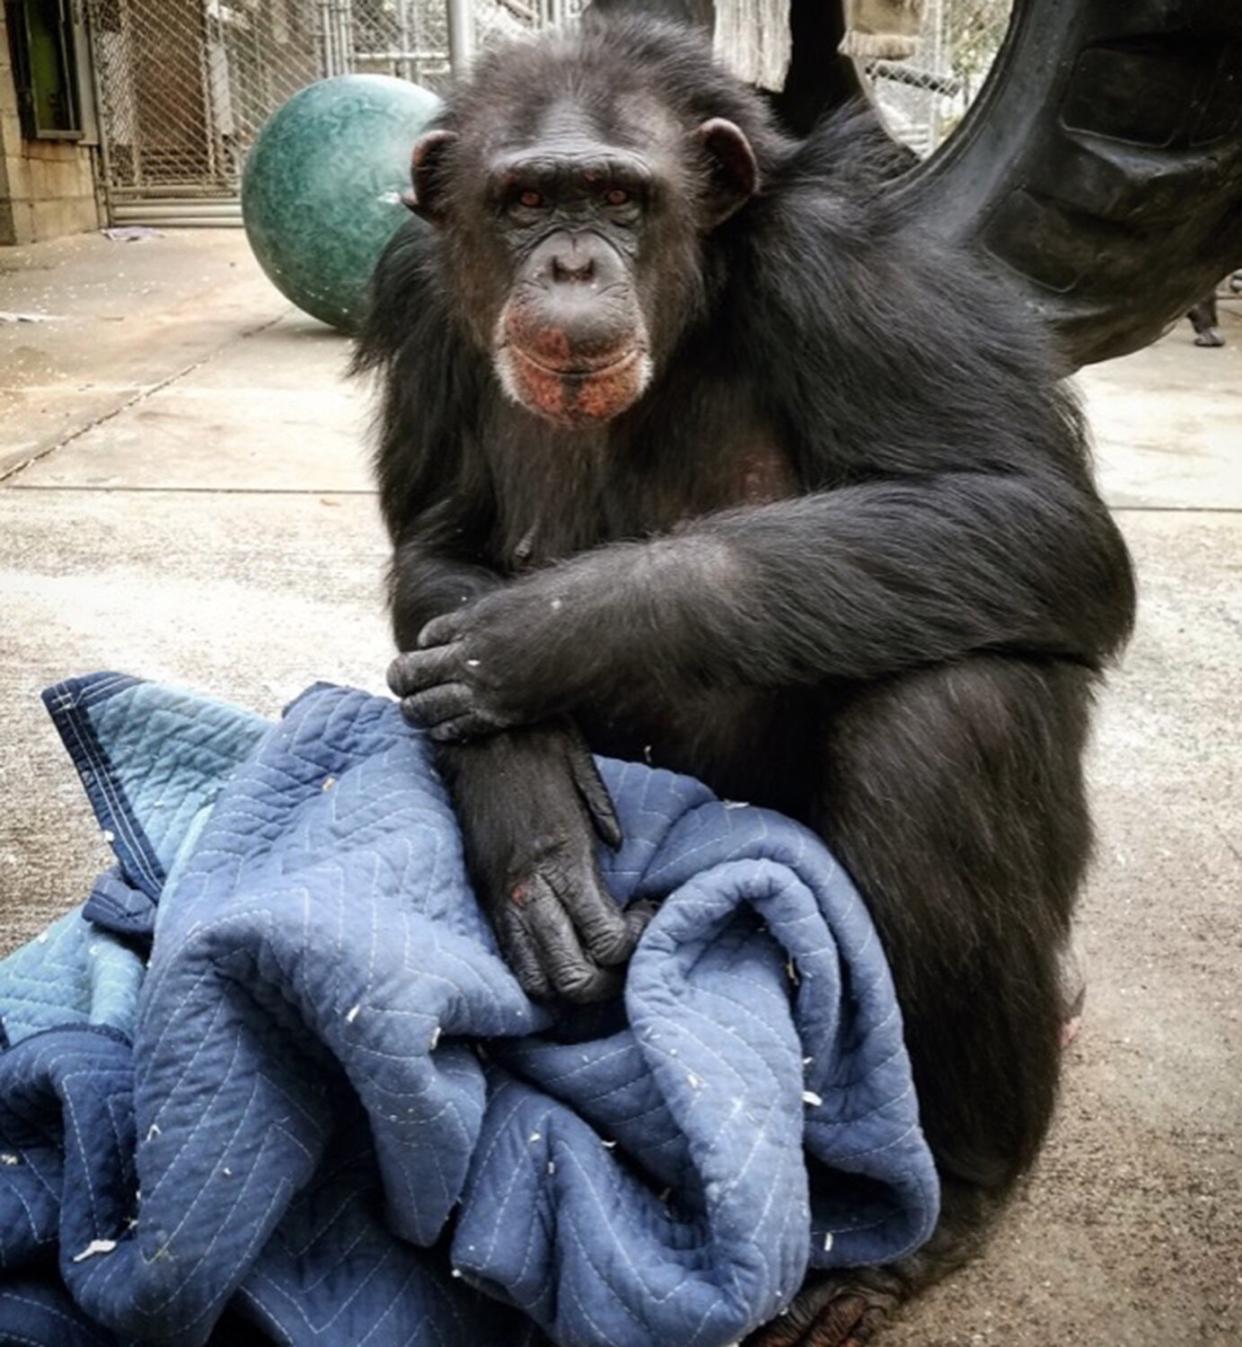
(697, 446)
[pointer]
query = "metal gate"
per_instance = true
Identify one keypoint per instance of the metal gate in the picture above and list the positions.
(183, 86)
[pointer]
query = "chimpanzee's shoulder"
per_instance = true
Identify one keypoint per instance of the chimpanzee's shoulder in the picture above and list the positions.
(406, 295)
(849, 151)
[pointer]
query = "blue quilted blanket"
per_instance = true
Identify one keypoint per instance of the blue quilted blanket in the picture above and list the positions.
(273, 1083)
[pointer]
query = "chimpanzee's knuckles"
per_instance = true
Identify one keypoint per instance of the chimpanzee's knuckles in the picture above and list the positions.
(531, 845)
(566, 863)
(573, 974)
(500, 646)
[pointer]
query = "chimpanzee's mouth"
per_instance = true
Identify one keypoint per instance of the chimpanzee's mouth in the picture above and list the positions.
(584, 392)
(604, 367)
(582, 367)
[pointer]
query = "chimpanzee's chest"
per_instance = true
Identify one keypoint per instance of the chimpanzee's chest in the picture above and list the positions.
(637, 482)
(662, 486)
(702, 447)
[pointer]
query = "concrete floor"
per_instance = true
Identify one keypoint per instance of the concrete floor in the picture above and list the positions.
(187, 497)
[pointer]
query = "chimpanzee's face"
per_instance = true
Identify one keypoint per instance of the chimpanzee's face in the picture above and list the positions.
(571, 342)
(576, 257)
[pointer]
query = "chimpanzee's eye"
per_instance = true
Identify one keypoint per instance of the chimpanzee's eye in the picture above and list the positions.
(617, 196)
(531, 200)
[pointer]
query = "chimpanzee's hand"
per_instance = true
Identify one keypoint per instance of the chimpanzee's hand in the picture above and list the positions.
(515, 656)
(531, 804)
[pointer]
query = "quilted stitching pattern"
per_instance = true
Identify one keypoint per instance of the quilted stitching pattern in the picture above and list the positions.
(304, 1104)
(72, 973)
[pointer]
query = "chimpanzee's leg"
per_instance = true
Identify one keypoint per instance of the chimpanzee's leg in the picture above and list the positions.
(954, 795)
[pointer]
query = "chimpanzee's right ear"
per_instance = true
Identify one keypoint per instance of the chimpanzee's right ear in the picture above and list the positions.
(428, 171)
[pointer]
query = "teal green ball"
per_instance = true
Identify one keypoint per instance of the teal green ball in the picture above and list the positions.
(321, 190)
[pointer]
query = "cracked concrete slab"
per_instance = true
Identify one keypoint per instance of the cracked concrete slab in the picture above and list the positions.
(271, 411)
(115, 320)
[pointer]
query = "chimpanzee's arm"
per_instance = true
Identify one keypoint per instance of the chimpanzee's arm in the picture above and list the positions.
(426, 581)
(530, 803)
(852, 583)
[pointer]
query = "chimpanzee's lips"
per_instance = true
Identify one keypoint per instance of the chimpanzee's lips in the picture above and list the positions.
(586, 392)
(583, 368)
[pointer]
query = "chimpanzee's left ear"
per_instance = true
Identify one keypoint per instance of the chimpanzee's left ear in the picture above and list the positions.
(733, 170)
(427, 169)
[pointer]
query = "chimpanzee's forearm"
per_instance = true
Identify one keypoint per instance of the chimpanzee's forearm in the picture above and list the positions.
(531, 805)
(865, 580)
(426, 581)
(853, 583)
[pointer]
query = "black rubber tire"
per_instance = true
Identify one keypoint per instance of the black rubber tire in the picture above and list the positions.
(1102, 164)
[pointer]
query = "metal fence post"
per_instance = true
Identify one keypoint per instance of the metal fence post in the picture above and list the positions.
(461, 36)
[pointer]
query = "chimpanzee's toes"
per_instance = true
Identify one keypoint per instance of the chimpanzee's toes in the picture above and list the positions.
(835, 1311)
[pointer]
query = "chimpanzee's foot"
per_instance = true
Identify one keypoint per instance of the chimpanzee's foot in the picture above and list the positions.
(837, 1309)
(849, 1307)
(1209, 337)
(1073, 993)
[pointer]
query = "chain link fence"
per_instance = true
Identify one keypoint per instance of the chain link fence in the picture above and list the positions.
(923, 98)
(184, 85)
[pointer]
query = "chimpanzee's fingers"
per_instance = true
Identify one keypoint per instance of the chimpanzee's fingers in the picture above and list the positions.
(572, 974)
(638, 915)
(438, 706)
(594, 793)
(522, 954)
(442, 630)
(414, 670)
(601, 924)
(473, 723)
(456, 731)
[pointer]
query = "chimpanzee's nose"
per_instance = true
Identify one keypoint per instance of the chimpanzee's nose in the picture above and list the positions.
(573, 262)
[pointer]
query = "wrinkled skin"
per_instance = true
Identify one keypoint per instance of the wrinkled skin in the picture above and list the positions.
(560, 928)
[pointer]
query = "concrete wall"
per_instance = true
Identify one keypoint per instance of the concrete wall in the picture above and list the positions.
(47, 187)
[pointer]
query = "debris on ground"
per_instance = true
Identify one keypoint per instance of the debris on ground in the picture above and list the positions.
(131, 233)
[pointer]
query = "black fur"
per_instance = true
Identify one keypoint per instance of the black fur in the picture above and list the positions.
(844, 558)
